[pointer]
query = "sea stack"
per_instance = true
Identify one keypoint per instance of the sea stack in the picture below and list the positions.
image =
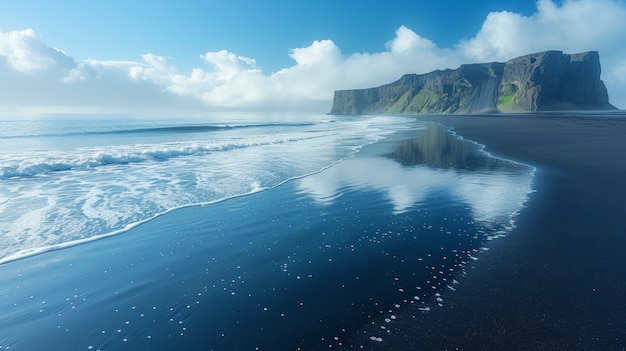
(545, 81)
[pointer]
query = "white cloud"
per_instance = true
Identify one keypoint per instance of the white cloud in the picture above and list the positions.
(229, 64)
(576, 26)
(33, 69)
(24, 51)
(408, 42)
(319, 53)
(36, 77)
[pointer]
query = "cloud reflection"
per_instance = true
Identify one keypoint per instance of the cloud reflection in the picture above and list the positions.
(434, 162)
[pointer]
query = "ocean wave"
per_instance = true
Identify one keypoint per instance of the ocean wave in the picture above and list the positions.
(53, 199)
(255, 187)
(180, 129)
(33, 164)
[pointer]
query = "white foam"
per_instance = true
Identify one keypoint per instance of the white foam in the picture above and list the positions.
(19, 165)
(107, 190)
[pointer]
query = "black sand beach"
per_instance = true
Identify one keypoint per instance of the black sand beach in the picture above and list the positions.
(304, 265)
(379, 252)
(558, 281)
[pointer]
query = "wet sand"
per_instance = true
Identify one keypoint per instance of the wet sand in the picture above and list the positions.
(301, 266)
(557, 282)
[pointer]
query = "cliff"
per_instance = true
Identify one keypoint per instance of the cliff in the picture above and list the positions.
(543, 81)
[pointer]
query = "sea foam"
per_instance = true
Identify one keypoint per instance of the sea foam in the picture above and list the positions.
(19, 165)
(58, 197)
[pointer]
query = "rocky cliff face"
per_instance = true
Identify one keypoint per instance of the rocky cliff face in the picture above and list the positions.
(543, 81)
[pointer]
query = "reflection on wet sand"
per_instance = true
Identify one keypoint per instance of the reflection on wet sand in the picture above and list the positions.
(436, 161)
(437, 147)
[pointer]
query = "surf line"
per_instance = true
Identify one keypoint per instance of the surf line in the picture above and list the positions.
(30, 252)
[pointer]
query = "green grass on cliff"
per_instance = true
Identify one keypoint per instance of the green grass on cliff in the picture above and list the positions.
(506, 98)
(506, 103)
(420, 103)
(423, 101)
(400, 105)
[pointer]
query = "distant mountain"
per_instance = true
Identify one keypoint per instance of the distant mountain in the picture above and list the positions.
(545, 81)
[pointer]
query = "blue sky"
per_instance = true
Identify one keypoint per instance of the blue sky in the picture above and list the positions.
(146, 56)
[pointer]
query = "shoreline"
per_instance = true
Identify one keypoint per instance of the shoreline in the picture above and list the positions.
(527, 137)
(554, 282)
(557, 281)
(314, 258)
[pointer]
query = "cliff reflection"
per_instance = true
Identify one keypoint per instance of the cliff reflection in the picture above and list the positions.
(435, 165)
(436, 147)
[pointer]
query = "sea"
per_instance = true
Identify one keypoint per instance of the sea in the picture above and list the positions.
(239, 232)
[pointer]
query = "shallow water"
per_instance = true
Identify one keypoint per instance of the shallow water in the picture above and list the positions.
(66, 181)
(328, 259)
